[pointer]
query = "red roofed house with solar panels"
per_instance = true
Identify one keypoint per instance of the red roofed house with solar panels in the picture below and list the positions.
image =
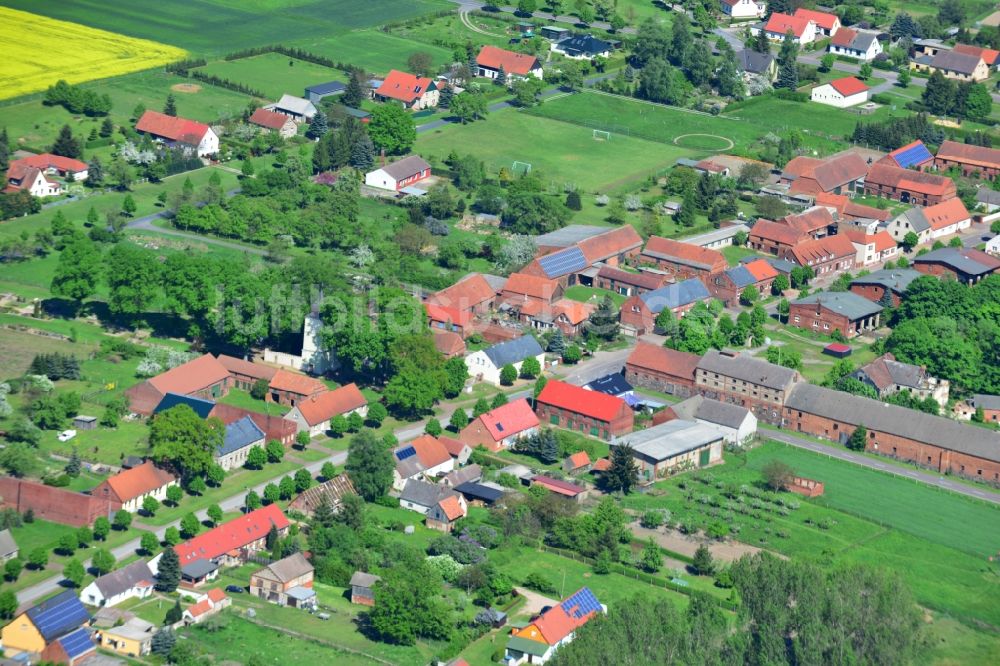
(492, 59)
(232, 542)
(590, 412)
(841, 93)
(415, 92)
(537, 642)
(499, 428)
(175, 131)
(911, 156)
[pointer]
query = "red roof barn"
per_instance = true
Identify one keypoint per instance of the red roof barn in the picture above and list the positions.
(591, 412)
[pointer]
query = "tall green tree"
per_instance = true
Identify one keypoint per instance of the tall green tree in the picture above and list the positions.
(66, 144)
(184, 441)
(408, 607)
(623, 475)
(169, 574)
(939, 95)
(788, 72)
(78, 270)
(132, 275)
(392, 128)
(170, 106)
(370, 466)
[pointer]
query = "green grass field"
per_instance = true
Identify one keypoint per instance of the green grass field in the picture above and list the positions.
(561, 152)
(221, 26)
(374, 50)
(273, 74)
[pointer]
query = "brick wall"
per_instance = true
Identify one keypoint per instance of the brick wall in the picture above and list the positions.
(806, 317)
(645, 378)
(765, 403)
(53, 504)
(874, 292)
(623, 422)
(888, 444)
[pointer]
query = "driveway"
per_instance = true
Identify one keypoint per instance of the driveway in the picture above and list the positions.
(534, 602)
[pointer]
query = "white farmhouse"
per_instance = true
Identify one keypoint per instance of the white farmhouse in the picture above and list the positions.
(841, 93)
(855, 44)
(400, 174)
(739, 9)
(173, 131)
(132, 581)
(485, 365)
(736, 424)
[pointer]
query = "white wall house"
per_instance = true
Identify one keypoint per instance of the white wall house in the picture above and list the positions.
(743, 8)
(173, 131)
(485, 365)
(863, 46)
(132, 581)
(313, 415)
(841, 93)
(400, 174)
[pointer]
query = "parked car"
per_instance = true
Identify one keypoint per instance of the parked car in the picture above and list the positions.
(66, 435)
(235, 589)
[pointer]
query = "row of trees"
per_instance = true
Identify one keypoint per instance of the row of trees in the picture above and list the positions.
(965, 99)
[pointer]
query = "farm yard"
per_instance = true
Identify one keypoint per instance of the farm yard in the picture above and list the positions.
(560, 151)
(48, 50)
(220, 26)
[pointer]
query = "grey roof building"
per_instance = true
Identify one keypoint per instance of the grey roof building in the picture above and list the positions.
(583, 46)
(122, 580)
(748, 369)
(988, 196)
(845, 303)
(317, 92)
(968, 264)
(896, 280)
(915, 216)
(700, 408)
(667, 441)
(890, 419)
(406, 167)
(513, 351)
(986, 401)
(293, 106)
(8, 547)
(240, 434)
(201, 406)
(952, 61)
(569, 235)
(754, 62)
(423, 494)
(675, 295)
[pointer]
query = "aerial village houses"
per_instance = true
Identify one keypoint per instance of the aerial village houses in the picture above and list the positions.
(399, 175)
(501, 427)
(127, 489)
(133, 581)
(628, 283)
(492, 60)
(894, 282)
(590, 412)
(754, 63)
(412, 91)
(871, 248)
(774, 238)
(203, 377)
(682, 260)
(971, 160)
(274, 426)
(857, 44)
(662, 369)
(240, 437)
(826, 312)
(840, 174)
(233, 541)
(244, 374)
(888, 377)
(298, 109)
(778, 25)
(422, 458)
(737, 425)
(815, 222)
(211, 603)
(638, 314)
(332, 492)
(832, 254)
(911, 156)
(841, 93)
(739, 9)
(847, 210)
(485, 365)
(32, 174)
(729, 284)
(967, 265)
(131, 638)
(316, 93)
(908, 186)
(287, 582)
(57, 505)
(522, 288)
(313, 414)
(953, 65)
(990, 56)
(421, 496)
(52, 630)
(827, 25)
(566, 489)
(290, 388)
(742, 380)
(443, 515)
(272, 121)
(537, 642)
(174, 131)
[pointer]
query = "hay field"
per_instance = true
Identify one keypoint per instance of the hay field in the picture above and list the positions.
(44, 50)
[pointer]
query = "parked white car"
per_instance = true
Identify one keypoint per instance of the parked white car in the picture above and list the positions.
(66, 435)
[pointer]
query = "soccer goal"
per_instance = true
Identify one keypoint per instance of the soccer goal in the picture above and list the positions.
(520, 168)
(601, 135)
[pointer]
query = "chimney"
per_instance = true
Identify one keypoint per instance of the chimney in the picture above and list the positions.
(382, 153)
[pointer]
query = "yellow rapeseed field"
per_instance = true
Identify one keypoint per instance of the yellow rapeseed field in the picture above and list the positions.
(39, 51)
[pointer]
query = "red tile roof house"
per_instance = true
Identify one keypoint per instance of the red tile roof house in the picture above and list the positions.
(457, 449)
(989, 56)
(833, 254)
(127, 489)
(568, 316)
(443, 515)
(578, 463)
(400, 174)
(729, 284)
(590, 412)
(826, 24)
(31, 174)
(778, 25)
(841, 93)
(232, 542)
(969, 159)
(840, 174)
(313, 414)
(815, 222)
(774, 238)
(848, 209)
(492, 59)
(289, 388)
(33, 181)
(272, 121)
(203, 377)
(627, 283)
(179, 132)
(682, 260)
(537, 642)
(214, 601)
(472, 294)
(448, 343)
(414, 92)
(871, 248)
(522, 288)
(661, 369)
(450, 320)
(908, 186)
(500, 428)
(612, 247)
(422, 458)
(244, 374)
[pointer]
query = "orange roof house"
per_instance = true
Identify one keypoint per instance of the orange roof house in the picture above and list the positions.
(909, 186)
(442, 516)
(947, 217)
(522, 288)
(828, 23)
(179, 131)
(494, 59)
(577, 462)
(848, 85)
(288, 388)
(683, 260)
(127, 489)
(314, 413)
(780, 24)
(274, 122)
(849, 209)
(406, 88)
(234, 539)
(840, 173)
(824, 255)
(989, 56)
(612, 246)
(472, 294)
(501, 427)
(204, 377)
(448, 343)
(814, 222)
(539, 640)
(773, 237)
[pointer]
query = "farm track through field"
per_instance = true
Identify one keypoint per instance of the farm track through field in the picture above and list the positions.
(464, 16)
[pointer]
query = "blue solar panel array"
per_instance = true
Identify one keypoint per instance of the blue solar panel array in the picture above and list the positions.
(58, 615)
(581, 604)
(408, 452)
(77, 643)
(913, 155)
(563, 262)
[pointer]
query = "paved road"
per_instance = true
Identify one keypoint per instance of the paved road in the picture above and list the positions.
(873, 463)
(470, 5)
(30, 594)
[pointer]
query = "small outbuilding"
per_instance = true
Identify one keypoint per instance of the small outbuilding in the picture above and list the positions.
(362, 585)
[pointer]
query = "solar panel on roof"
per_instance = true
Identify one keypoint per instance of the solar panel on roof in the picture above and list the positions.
(563, 262)
(912, 156)
(581, 603)
(408, 452)
(77, 643)
(499, 427)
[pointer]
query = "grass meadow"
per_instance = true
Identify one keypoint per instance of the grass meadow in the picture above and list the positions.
(562, 152)
(207, 27)
(273, 74)
(374, 50)
(936, 541)
(48, 50)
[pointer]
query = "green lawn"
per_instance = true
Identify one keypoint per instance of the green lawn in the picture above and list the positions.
(734, 253)
(221, 26)
(593, 295)
(273, 74)
(374, 50)
(561, 152)
(815, 364)
(243, 399)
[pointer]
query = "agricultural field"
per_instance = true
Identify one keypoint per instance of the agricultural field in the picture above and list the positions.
(231, 24)
(374, 50)
(743, 126)
(49, 50)
(563, 152)
(273, 74)
(921, 533)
